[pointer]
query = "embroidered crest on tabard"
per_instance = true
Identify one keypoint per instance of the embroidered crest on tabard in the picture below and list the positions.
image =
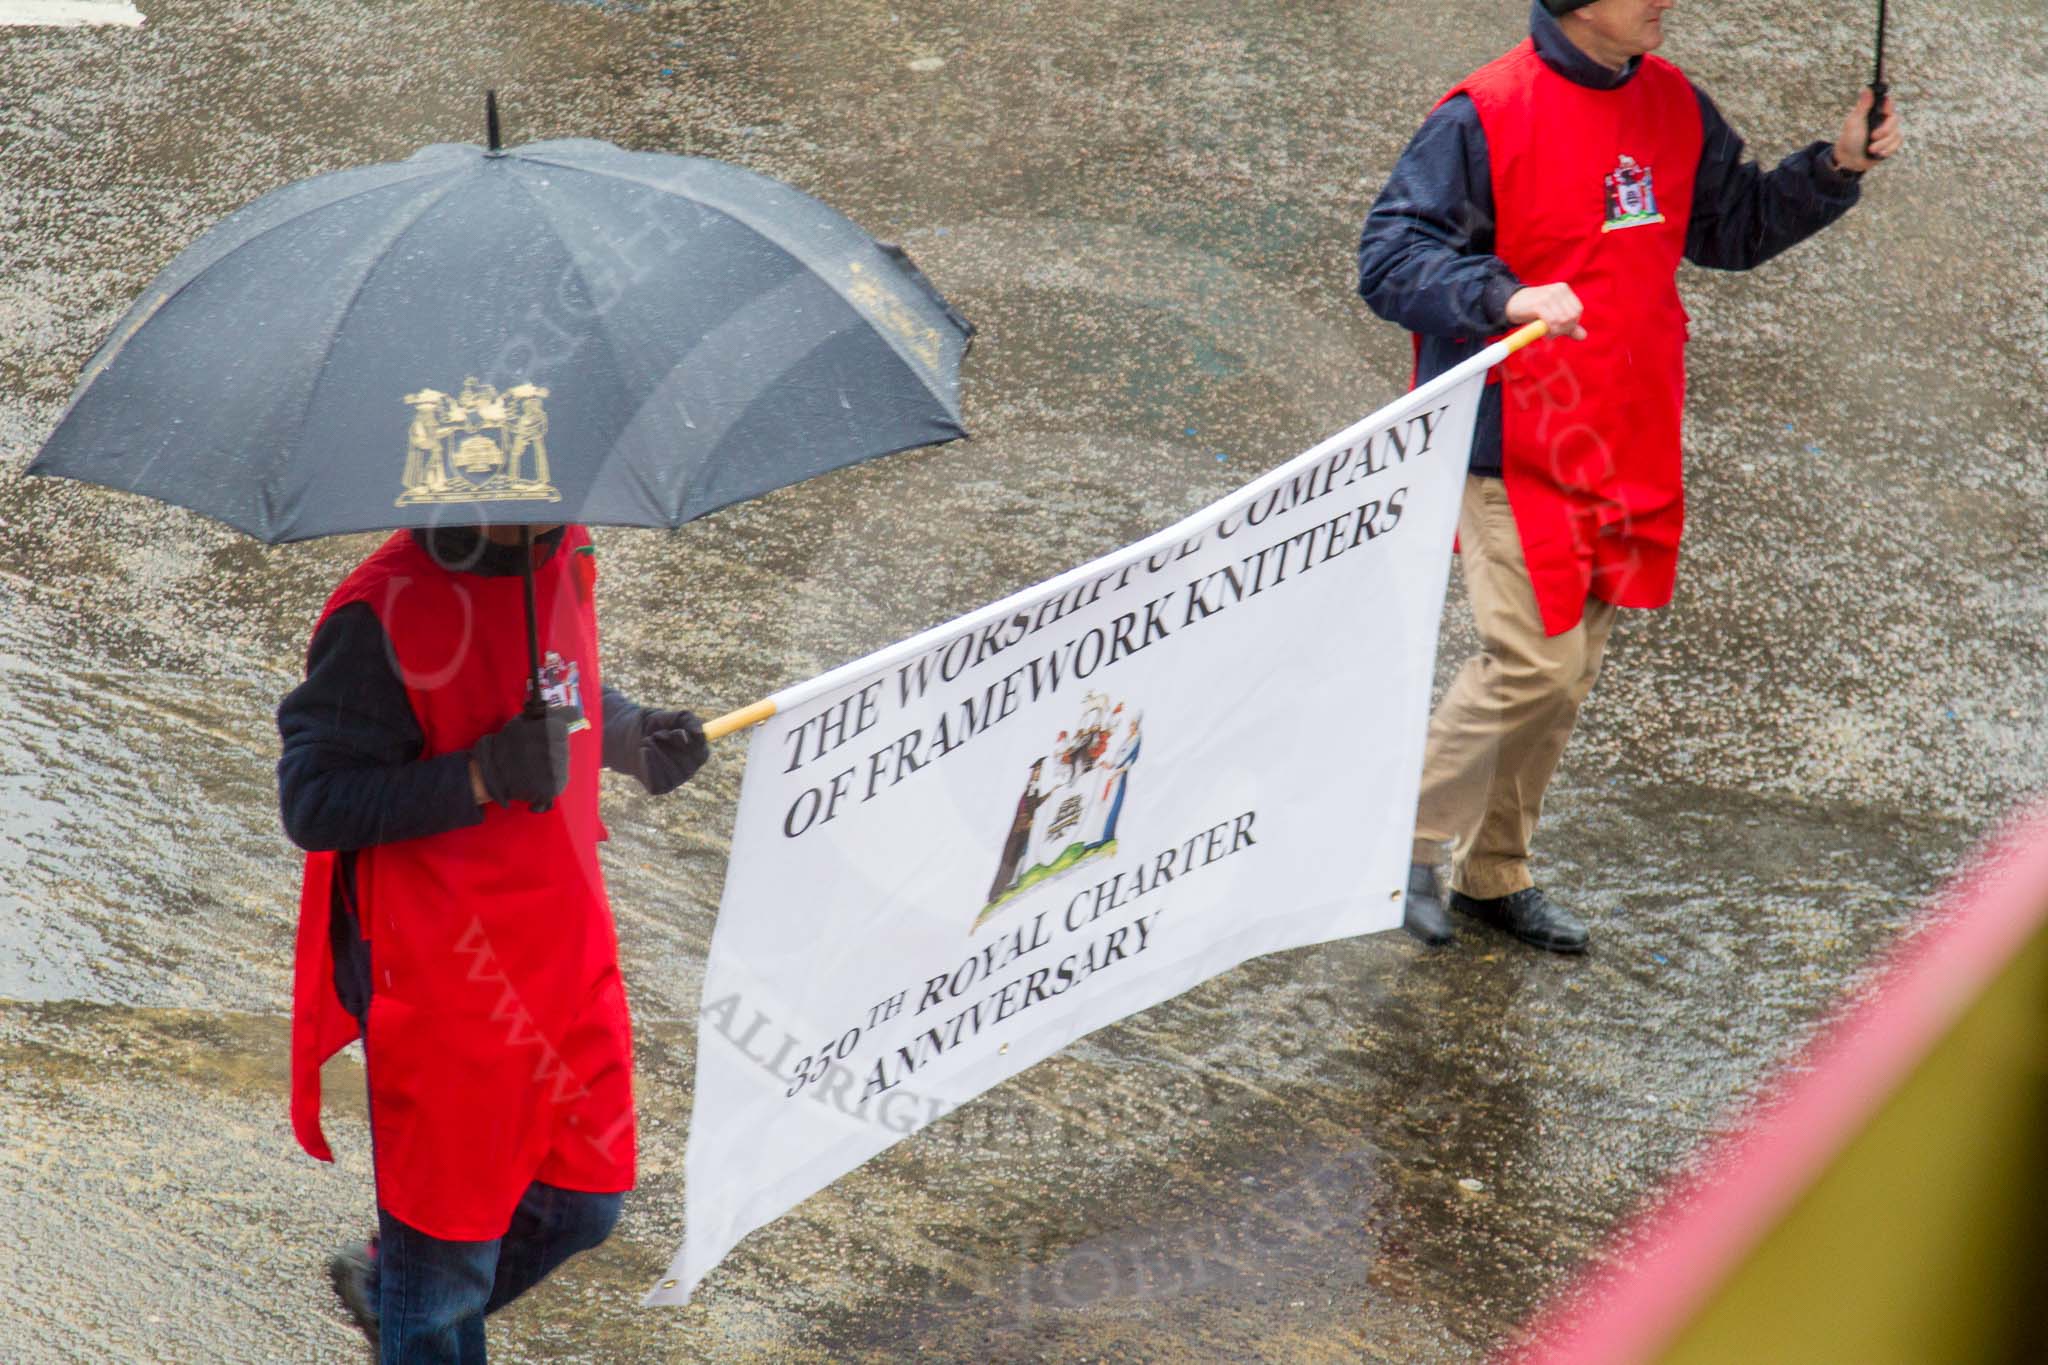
(561, 685)
(478, 446)
(1631, 197)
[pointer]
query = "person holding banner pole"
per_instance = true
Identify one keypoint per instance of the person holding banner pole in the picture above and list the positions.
(1563, 183)
(454, 916)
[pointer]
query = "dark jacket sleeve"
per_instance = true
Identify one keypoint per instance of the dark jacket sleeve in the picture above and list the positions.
(622, 732)
(350, 775)
(1743, 216)
(1425, 256)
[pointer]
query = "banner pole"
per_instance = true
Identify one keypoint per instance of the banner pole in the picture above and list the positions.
(744, 718)
(748, 716)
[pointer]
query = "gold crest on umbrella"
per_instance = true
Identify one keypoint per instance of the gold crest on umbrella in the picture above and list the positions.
(479, 446)
(882, 305)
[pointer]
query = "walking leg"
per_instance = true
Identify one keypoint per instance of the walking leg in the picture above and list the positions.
(1496, 738)
(550, 1225)
(1463, 752)
(431, 1296)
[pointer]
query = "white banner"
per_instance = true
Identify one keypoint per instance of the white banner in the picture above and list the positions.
(958, 855)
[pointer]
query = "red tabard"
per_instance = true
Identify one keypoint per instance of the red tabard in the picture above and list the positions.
(499, 1046)
(1594, 188)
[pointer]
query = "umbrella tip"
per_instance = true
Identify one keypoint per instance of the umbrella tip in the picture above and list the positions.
(491, 118)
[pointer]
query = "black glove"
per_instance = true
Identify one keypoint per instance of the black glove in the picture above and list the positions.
(672, 748)
(527, 760)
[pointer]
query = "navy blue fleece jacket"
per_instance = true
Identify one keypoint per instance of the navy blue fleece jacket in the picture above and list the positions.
(1425, 257)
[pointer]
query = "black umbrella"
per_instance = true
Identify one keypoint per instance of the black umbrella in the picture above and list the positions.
(561, 332)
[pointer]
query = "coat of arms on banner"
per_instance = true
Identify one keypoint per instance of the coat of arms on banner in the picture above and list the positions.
(561, 684)
(1631, 196)
(477, 446)
(1072, 800)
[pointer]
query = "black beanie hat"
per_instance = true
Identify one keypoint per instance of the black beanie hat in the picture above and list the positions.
(1565, 6)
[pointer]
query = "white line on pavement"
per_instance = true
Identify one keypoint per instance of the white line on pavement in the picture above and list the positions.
(67, 13)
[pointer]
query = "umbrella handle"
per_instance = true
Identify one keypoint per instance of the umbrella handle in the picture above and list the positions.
(536, 709)
(1878, 90)
(536, 706)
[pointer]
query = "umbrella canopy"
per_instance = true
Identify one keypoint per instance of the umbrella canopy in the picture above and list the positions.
(561, 332)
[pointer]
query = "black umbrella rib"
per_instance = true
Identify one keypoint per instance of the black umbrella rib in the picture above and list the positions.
(601, 330)
(268, 535)
(724, 501)
(730, 215)
(730, 493)
(309, 210)
(282, 223)
(748, 222)
(355, 295)
(102, 358)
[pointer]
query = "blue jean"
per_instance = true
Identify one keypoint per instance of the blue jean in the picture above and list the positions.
(432, 1294)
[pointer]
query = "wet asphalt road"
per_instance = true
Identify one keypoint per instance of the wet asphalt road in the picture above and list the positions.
(1361, 1151)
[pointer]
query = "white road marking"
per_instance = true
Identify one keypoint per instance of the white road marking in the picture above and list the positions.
(67, 13)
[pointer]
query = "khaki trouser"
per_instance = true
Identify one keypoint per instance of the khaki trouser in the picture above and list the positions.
(1496, 736)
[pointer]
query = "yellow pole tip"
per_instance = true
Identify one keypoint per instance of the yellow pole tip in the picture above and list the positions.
(739, 720)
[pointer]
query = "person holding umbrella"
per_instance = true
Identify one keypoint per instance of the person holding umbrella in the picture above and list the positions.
(453, 912)
(485, 350)
(1563, 183)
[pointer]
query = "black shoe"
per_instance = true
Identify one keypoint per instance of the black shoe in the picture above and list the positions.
(353, 1272)
(1422, 914)
(1530, 916)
